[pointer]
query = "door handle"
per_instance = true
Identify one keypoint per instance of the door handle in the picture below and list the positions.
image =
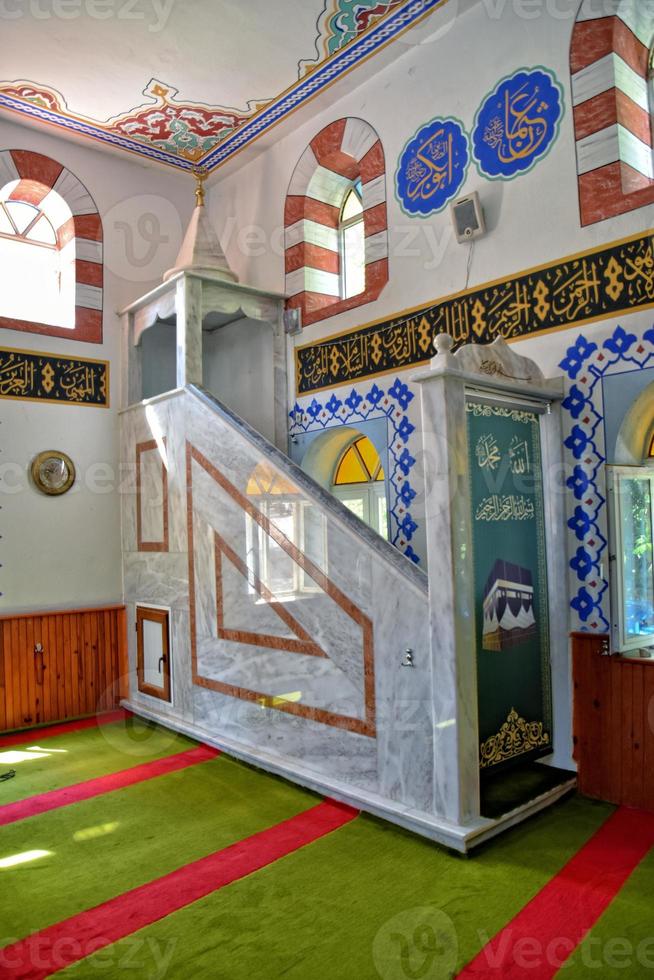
(162, 661)
(39, 664)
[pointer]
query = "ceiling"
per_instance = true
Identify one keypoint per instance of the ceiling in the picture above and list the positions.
(186, 82)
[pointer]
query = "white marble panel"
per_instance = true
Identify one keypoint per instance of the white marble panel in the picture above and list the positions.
(606, 73)
(374, 192)
(89, 297)
(377, 247)
(156, 577)
(88, 250)
(153, 497)
(358, 138)
(328, 187)
(303, 173)
(611, 144)
(74, 193)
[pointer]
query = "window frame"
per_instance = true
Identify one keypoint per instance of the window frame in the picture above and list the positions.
(621, 642)
(344, 224)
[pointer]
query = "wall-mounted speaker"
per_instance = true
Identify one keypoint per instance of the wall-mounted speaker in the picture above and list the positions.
(468, 218)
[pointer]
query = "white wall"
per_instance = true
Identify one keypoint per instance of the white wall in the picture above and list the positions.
(531, 220)
(64, 552)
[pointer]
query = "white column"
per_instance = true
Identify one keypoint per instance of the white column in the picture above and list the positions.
(451, 588)
(188, 307)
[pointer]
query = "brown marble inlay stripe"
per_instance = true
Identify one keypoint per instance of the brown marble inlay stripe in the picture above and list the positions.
(303, 644)
(357, 725)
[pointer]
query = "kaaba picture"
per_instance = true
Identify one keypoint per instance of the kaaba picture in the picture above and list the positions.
(508, 607)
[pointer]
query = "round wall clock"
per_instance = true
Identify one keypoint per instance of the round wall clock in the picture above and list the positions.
(53, 472)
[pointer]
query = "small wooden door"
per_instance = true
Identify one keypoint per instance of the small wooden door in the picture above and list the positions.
(153, 652)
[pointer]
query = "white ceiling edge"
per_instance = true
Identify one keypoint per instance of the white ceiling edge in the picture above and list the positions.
(437, 23)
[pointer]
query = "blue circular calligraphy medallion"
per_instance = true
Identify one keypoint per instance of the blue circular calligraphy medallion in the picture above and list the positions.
(432, 167)
(517, 123)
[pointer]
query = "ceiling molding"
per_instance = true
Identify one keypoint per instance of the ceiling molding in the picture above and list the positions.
(186, 135)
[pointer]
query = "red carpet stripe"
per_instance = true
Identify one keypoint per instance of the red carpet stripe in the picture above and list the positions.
(43, 953)
(543, 936)
(56, 798)
(20, 738)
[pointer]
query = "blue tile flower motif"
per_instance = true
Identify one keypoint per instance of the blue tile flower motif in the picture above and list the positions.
(574, 402)
(582, 564)
(401, 393)
(578, 482)
(583, 604)
(407, 494)
(375, 395)
(580, 523)
(406, 461)
(411, 555)
(409, 526)
(405, 429)
(333, 405)
(353, 400)
(314, 409)
(577, 442)
(576, 356)
(620, 342)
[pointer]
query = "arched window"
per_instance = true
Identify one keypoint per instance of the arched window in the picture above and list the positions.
(352, 242)
(33, 255)
(336, 223)
(50, 250)
(360, 483)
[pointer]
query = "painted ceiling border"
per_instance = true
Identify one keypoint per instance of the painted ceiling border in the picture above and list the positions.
(352, 54)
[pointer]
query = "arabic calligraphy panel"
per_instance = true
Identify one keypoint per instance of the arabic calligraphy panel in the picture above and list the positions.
(38, 376)
(432, 167)
(517, 124)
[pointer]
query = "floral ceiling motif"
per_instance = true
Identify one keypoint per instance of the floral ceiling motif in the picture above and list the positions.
(185, 134)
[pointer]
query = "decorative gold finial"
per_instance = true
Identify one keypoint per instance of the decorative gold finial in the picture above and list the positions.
(200, 177)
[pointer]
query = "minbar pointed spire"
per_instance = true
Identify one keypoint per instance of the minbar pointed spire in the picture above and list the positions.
(201, 250)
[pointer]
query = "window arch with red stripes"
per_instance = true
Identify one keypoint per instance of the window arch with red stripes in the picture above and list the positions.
(613, 98)
(50, 250)
(336, 224)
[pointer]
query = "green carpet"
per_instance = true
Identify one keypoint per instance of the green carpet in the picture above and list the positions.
(622, 942)
(348, 905)
(507, 790)
(81, 755)
(105, 846)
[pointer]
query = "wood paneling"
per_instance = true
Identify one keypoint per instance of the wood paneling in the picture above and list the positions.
(613, 723)
(60, 665)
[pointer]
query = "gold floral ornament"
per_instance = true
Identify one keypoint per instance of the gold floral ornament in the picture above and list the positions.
(515, 737)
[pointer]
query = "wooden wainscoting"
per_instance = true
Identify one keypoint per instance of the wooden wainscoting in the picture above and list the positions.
(613, 723)
(60, 665)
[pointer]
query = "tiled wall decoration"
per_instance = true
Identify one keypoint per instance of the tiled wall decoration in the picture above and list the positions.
(39, 376)
(585, 365)
(616, 278)
(432, 167)
(517, 124)
(44, 183)
(612, 101)
(362, 405)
